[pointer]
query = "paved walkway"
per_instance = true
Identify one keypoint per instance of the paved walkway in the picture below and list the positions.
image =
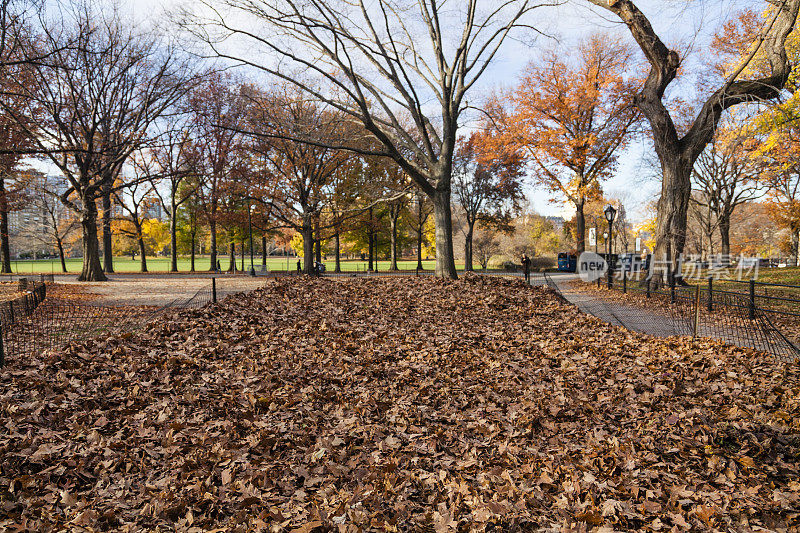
(651, 322)
(729, 325)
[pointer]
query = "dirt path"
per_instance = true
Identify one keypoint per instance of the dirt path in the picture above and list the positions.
(158, 289)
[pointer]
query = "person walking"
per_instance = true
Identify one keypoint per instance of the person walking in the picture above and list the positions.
(526, 267)
(299, 267)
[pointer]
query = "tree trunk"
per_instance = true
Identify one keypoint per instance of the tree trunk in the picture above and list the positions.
(393, 220)
(673, 207)
(580, 227)
(108, 252)
(419, 248)
(60, 246)
(337, 251)
(371, 240)
(308, 246)
(232, 264)
(317, 241)
(242, 269)
(5, 247)
(725, 234)
(191, 252)
(173, 237)
(143, 260)
(468, 246)
(796, 245)
(445, 260)
(264, 253)
(212, 227)
(92, 269)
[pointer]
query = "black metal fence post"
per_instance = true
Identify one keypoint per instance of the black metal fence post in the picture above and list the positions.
(648, 287)
(710, 293)
(214, 290)
(752, 306)
(624, 281)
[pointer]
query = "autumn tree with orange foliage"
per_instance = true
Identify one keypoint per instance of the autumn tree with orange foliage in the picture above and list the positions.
(781, 156)
(571, 120)
(487, 185)
(738, 83)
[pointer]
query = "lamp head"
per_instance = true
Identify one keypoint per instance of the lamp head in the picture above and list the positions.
(610, 213)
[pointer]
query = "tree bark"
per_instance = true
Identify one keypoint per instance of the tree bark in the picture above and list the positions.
(92, 269)
(317, 241)
(725, 234)
(580, 227)
(108, 252)
(232, 264)
(212, 227)
(445, 260)
(264, 253)
(60, 246)
(337, 251)
(143, 260)
(242, 269)
(173, 237)
(393, 220)
(419, 248)
(308, 246)
(5, 247)
(371, 240)
(468, 245)
(191, 258)
(673, 206)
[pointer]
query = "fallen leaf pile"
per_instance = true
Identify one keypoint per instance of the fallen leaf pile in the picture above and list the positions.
(396, 405)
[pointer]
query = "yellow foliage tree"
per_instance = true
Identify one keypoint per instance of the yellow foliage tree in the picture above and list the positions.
(155, 235)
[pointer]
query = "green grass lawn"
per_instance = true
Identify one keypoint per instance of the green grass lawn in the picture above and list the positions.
(787, 276)
(161, 264)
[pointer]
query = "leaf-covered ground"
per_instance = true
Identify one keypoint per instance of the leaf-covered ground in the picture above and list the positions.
(398, 404)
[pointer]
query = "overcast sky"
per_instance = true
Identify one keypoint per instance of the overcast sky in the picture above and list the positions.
(684, 24)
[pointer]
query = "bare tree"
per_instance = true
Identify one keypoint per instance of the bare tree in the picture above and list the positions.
(383, 65)
(295, 177)
(419, 213)
(677, 153)
(174, 161)
(217, 106)
(97, 98)
(726, 177)
(133, 201)
(485, 244)
(58, 223)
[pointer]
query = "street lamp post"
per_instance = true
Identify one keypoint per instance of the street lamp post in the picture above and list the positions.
(250, 228)
(610, 213)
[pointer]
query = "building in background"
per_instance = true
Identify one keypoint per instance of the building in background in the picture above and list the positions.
(30, 224)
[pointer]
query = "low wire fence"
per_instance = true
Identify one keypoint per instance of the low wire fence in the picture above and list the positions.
(762, 321)
(34, 321)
